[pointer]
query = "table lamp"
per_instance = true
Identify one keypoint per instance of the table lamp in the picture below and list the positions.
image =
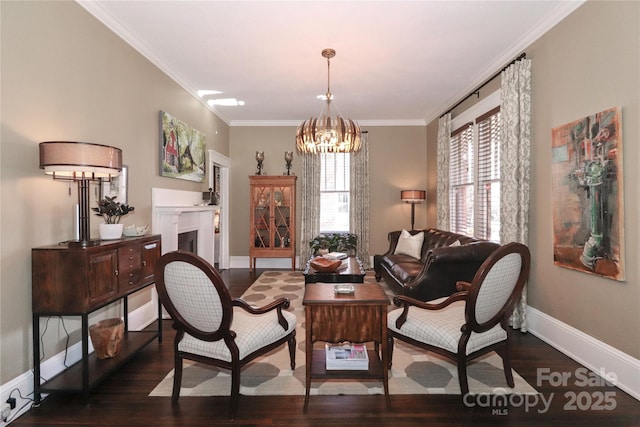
(81, 162)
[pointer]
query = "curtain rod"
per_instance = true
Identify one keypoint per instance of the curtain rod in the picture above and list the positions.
(476, 91)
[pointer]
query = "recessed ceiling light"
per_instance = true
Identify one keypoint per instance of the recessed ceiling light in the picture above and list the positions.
(225, 102)
(205, 92)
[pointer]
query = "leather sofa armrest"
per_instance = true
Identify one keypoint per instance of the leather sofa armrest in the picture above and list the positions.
(392, 237)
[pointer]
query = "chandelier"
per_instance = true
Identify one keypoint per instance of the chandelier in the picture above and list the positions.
(327, 134)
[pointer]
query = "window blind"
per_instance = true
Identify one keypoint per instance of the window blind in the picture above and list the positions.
(487, 221)
(334, 192)
(474, 177)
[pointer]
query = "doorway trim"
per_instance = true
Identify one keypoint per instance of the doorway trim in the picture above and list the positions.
(224, 163)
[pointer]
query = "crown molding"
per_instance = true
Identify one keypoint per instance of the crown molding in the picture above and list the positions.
(295, 123)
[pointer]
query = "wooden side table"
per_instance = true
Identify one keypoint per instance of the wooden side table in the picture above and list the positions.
(358, 318)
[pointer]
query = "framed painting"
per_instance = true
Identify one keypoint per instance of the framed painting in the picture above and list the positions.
(117, 187)
(587, 196)
(183, 150)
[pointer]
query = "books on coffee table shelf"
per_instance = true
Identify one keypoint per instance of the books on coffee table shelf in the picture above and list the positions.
(346, 356)
(336, 255)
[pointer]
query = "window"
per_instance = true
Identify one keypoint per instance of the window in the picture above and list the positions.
(474, 177)
(334, 192)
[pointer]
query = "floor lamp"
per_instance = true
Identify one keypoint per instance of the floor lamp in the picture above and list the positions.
(81, 162)
(413, 197)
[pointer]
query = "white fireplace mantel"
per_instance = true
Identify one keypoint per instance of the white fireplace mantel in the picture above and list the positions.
(177, 211)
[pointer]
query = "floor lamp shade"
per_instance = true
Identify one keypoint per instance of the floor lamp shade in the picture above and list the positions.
(81, 162)
(413, 197)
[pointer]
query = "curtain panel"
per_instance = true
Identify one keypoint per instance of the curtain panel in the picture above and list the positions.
(359, 199)
(310, 203)
(442, 198)
(515, 159)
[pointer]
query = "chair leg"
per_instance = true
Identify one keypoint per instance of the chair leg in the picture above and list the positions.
(389, 350)
(177, 378)
(235, 390)
(292, 352)
(506, 364)
(462, 375)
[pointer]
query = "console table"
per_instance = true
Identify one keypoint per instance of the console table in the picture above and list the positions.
(76, 281)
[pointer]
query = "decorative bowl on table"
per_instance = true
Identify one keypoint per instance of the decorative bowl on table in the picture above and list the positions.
(325, 265)
(135, 230)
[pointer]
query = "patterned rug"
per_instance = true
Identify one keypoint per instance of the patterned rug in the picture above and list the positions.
(414, 371)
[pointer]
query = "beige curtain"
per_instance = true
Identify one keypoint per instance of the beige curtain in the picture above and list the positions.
(359, 206)
(444, 134)
(515, 155)
(359, 200)
(310, 203)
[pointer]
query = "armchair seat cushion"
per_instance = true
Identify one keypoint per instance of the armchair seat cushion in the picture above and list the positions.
(245, 325)
(441, 328)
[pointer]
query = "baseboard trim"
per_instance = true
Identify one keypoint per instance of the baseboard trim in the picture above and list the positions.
(595, 355)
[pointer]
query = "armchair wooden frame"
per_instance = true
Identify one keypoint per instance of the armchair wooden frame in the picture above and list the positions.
(224, 330)
(470, 293)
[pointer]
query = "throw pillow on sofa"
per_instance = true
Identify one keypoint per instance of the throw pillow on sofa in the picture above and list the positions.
(410, 245)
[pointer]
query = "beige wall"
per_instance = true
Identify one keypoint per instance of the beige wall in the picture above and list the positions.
(397, 159)
(586, 64)
(66, 77)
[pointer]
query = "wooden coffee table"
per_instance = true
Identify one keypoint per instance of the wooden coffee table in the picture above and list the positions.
(359, 318)
(353, 273)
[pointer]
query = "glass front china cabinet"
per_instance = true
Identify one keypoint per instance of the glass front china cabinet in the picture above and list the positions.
(272, 220)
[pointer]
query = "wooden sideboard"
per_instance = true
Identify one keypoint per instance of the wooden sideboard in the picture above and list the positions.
(78, 281)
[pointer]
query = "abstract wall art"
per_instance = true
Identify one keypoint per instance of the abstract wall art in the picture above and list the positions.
(588, 203)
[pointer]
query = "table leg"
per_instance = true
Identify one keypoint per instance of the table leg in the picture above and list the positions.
(309, 356)
(385, 356)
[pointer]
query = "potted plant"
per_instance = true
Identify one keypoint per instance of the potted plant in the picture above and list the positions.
(334, 242)
(111, 211)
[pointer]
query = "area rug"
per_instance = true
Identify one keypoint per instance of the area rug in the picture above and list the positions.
(414, 371)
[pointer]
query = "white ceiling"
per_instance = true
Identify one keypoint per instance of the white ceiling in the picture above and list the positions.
(397, 62)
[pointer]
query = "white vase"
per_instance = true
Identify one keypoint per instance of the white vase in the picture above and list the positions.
(110, 231)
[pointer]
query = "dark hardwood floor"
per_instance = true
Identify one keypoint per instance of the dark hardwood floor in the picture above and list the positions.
(122, 399)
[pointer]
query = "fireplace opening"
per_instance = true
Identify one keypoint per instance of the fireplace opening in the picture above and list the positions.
(188, 241)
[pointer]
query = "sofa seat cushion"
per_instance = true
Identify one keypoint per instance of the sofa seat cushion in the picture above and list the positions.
(406, 271)
(403, 267)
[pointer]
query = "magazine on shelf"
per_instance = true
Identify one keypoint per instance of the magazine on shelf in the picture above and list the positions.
(336, 255)
(346, 356)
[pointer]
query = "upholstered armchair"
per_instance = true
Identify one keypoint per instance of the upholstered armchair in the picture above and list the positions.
(211, 327)
(471, 322)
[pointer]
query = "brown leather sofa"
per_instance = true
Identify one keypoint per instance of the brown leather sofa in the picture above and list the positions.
(440, 266)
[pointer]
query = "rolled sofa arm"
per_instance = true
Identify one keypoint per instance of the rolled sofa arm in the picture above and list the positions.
(447, 265)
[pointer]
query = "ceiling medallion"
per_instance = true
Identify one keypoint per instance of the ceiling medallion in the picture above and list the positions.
(326, 134)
